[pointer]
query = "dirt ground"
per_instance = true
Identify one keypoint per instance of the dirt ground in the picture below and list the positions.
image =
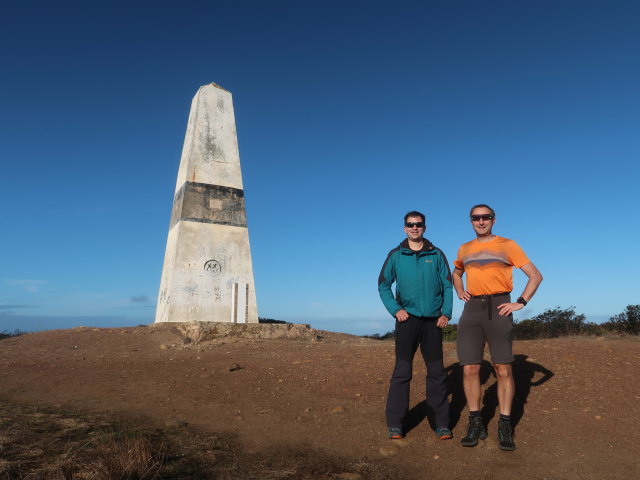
(576, 407)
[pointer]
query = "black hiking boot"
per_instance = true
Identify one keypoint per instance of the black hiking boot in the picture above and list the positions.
(505, 435)
(475, 432)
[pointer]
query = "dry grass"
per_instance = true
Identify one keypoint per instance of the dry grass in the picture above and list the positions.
(39, 443)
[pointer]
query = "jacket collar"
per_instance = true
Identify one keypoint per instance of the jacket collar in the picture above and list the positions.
(427, 246)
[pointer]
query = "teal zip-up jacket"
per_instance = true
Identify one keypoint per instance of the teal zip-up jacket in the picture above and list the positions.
(423, 281)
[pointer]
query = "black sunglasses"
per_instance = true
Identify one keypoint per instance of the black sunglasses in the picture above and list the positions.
(414, 224)
(477, 218)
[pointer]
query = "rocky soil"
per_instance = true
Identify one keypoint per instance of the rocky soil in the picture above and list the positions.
(577, 402)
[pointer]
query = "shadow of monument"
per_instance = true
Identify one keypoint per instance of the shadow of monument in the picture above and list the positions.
(523, 374)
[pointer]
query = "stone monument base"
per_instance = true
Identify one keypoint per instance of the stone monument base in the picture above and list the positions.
(204, 331)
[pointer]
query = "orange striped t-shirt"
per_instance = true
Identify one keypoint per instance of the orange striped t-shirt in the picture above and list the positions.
(489, 265)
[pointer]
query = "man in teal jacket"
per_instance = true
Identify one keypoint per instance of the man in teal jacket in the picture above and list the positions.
(422, 307)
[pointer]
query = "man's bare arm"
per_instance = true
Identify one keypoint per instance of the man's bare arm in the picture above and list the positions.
(535, 279)
(458, 284)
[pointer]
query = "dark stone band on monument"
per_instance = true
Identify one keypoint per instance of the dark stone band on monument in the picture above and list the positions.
(206, 203)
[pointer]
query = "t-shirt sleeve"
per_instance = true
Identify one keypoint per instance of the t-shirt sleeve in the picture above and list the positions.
(458, 263)
(517, 256)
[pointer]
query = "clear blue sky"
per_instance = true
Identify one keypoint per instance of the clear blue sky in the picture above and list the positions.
(348, 115)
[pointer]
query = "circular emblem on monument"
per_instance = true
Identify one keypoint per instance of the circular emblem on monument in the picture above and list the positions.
(213, 267)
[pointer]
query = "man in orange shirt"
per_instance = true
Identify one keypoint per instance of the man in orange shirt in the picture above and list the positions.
(487, 317)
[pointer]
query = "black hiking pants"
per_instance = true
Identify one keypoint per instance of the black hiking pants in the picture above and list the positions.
(414, 332)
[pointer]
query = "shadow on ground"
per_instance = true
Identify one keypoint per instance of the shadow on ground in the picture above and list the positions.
(524, 372)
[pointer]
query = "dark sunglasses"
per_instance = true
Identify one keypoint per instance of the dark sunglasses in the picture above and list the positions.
(414, 224)
(477, 218)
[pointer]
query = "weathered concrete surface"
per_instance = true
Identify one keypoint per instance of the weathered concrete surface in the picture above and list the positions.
(207, 273)
(210, 152)
(204, 331)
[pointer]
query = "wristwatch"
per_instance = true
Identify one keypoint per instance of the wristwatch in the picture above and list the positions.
(521, 300)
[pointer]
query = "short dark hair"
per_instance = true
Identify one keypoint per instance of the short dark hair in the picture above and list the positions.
(414, 213)
(482, 205)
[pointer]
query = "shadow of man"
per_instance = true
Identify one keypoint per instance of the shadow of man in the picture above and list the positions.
(523, 375)
(458, 399)
(454, 379)
(417, 414)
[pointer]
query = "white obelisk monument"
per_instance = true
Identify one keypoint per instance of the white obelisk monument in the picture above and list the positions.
(207, 274)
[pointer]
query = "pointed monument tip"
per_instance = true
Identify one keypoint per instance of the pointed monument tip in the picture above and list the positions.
(217, 86)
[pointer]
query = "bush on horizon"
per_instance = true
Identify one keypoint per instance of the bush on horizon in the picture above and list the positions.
(270, 320)
(558, 322)
(553, 323)
(627, 321)
(385, 336)
(16, 333)
(449, 334)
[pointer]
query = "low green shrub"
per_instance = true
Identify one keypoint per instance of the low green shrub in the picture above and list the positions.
(552, 323)
(384, 336)
(270, 320)
(450, 333)
(16, 333)
(559, 322)
(627, 322)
